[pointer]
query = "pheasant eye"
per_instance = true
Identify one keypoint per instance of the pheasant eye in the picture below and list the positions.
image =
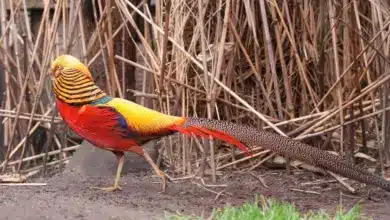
(56, 70)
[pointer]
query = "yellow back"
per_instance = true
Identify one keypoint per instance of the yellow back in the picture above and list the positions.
(143, 119)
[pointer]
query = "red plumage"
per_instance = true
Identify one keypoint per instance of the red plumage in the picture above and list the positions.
(100, 126)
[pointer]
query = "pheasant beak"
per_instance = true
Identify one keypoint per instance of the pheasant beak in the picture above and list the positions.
(52, 73)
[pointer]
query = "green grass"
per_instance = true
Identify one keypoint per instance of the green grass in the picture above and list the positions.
(271, 209)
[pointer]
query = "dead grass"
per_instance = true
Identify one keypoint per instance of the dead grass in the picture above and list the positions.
(314, 71)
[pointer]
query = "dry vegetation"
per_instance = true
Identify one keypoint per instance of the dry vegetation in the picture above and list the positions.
(316, 71)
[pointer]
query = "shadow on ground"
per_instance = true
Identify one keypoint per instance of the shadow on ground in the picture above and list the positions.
(67, 195)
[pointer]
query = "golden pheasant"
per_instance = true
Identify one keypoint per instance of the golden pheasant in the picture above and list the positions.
(119, 125)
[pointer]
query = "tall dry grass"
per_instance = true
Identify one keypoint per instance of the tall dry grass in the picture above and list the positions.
(315, 71)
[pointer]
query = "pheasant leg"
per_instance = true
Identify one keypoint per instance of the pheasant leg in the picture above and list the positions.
(159, 172)
(121, 159)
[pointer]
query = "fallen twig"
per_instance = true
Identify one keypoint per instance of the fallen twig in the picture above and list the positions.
(260, 179)
(306, 191)
(346, 185)
(23, 184)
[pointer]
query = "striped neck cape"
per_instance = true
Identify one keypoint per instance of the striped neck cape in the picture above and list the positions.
(76, 88)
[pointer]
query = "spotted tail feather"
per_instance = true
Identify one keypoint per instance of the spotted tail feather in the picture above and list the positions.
(206, 133)
(288, 147)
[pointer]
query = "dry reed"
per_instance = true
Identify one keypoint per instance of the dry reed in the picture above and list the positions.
(316, 71)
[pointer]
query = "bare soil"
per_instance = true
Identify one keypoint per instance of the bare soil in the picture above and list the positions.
(67, 196)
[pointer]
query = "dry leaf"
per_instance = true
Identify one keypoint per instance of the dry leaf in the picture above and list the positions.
(365, 156)
(212, 49)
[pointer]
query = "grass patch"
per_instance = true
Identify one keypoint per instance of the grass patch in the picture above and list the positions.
(268, 209)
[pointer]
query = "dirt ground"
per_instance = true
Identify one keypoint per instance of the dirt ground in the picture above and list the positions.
(67, 196)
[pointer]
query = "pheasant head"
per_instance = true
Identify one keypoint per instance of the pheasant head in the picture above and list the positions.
(73, 82)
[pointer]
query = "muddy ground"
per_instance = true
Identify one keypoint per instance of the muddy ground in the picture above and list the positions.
(67, 196)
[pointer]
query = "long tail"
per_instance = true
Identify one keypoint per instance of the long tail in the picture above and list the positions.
(239, 134)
